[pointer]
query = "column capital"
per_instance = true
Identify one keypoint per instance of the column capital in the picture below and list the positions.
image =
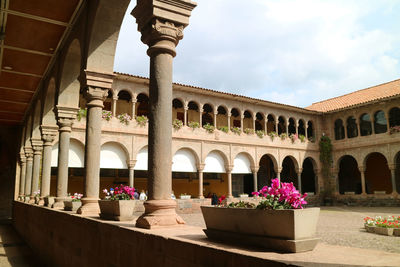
(65, 117)
(95, 96)
(28, 152)
(299, 170)
(279, 170)
(49, 133)
(99, 79)
(228, 168)
(37, 145)
(200, 167)
(254, 168)
(216, 112)
(361, 168)
(162, 24)
(131, 163)
(201, 110)
(22, 157)
(392, 166)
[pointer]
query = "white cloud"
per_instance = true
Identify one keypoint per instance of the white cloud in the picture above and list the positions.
(289, 51)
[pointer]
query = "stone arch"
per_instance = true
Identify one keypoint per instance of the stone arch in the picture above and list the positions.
(70, 84)
(397, 171)
(394, 117)
(217, 156)
(339, 129)
(377, 173)
(248, 119)
(49, 117)
(292, 126)
(235, 117)
(193, 151)
(310, 129)
(186, 162)
(301, 128)
(271, 118)
(124, 103)
(222, 116)
(260, 122)
(142, 159)
(178, 111)
(142, 105)
(365, 124)
(380, 122)
(113, 155)
(349, 176)
(248, 155)
(208, 114)
(281, 125)
(351, 126)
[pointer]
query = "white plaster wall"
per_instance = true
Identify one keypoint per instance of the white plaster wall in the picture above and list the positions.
(112, 156)
(141, 159)
(184, 161)
(76, 156)
(214, 163)
(241, 164)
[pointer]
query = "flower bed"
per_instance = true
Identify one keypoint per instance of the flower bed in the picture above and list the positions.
(383, 225)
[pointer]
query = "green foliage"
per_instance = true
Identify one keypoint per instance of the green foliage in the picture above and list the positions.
(142, 120)
(260, 133)
(194, 124)
(272, 203)
(236, 130)
(242, 204)
(224, 129)
(82, 112)
(177, 124)
(283, 136)
(302, 138)
(248, 131)
(272, 135)
(325, 155)
(209, 128)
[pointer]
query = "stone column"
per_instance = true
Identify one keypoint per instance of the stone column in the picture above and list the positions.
(254, 122)
(387, 120)
(131, 165)
(241, 122)
(296, 126)
(37, 145)
(98, 85)
(306, 129)
(277, 126)
(392, 168)
(48, 135)
(228, 170)
(65, 119)
(318, 181)
(298, 172)
(215, 119)
(133, 108)
(358, 122)
(278, 174)
(255, 181)
(161, 28)
(265, 123)
(200, 169)
(114, 107)
(28, 175)
(287, 127)
(185, 108)
(201, 117)
(362, 171)
(229, 122)
(22, 176)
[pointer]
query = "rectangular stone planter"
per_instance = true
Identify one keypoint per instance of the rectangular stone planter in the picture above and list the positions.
(72, 205)
(118, 210)
(383, 231)
(49, 201)
(284, 230)
(370, 229)
(396, 231)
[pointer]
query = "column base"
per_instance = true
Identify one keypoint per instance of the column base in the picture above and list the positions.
(159, 213)
(31, 200)
(201, 197)
(41, 201)
(90, 207)
(59, 203)
(26, 199)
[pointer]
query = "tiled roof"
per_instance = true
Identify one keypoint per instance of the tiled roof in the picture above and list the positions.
(378, 92)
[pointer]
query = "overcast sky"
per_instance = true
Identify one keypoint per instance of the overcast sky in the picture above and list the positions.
(289, 51)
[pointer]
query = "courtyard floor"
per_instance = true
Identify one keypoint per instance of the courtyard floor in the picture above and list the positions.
(341, 226)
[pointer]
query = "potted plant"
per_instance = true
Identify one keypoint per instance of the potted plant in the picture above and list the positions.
(272, 135)
(74, 203)
(118, 204)
(141, 120)
(278, 221)
(260, 133)
(49, 201)
(177, 124)
(185, 196)
(248, 131)
(236, 130)
(194, 124)
(106, 115)
(209, 128)
(36, 195)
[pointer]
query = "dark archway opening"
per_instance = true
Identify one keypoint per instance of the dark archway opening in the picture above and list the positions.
(143, 105)
(308, 176)
(266, 172)
(288, 174)
(349, 176)
(377, 174)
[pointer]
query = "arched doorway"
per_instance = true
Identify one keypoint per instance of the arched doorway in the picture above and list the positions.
(377, 174)
(185, 178)
(349, 175)
(214, 174)
(308, 181)
(242, 178)
(288, 174)
(266, 172)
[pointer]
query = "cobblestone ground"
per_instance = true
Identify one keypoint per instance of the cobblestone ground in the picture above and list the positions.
(341, 226)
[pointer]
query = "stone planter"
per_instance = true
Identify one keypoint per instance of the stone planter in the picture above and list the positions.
(49, 201)
(283, 230)
(370, 229)
(118, 210)
(72, 205)
(383, 231)
(185, 196)
(243, 195)
(396, 231)
(37, 199)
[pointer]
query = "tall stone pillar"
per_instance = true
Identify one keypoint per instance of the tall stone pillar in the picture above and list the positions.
(287, 126)
(278, 174)
(254, 122)
(131, 165)
(229, 122)
(200, 169)
(162, 28)
(134, 108)
(298, 172)
(318, 181)
(297, 126)
(28, 175)
(22, 176)
(201, 117)
(215, 119)
(185, 108)
(276, 126)
(392, 168)
(228, 170)
(114, 107)
(241, 122)
(255, 181)
(48, 135)
(362, 171)
(98, 86)
(37, 145)
(65, 119)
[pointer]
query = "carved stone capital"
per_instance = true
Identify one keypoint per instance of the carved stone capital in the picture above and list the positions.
(37, 146)
(95, 96)
(28, 153)
(392, 166)
(65, 114)
(22, 157)
(99, 79)
(228, 168)
(200, 167)
(254, 168)
(65, 124)
(49, 133)
(131, 163)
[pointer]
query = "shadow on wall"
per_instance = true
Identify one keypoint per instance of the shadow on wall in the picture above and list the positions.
(9, 136)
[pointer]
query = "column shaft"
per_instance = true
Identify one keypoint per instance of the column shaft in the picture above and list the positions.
(35, 172)
(255, 187)
(299, 182)
(229, 175)
(185, 116)
(22, 178)
(131, 177)
(114, 108)
(201, 117)
(394, 186)
(28, 175)
(46, 170)
(62, 166)
(215, 120)
(133, 109)
(201, 184)
(363, 188)
(229, 123)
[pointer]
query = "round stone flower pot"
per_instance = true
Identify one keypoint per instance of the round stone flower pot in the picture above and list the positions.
(70, 205)
(383, 231)
(117, 210)
(291, 230)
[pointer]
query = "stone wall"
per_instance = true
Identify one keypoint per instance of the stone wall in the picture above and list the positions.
(62, 239)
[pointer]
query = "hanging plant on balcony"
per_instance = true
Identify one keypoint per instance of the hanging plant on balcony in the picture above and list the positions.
(82, 112)
(236, 130)
(142, 120)
(302, 138)
(248, 131)
(283, 136)
(224, 129)
(272, 135)
(107, 115)
(325, 155)
(177, 124)
(124, 118)
(194, 124)
(394, 129)
(293, 137)
(209, 128)
(260, 133)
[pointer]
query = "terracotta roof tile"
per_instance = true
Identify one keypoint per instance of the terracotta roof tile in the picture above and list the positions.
(382, 91)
